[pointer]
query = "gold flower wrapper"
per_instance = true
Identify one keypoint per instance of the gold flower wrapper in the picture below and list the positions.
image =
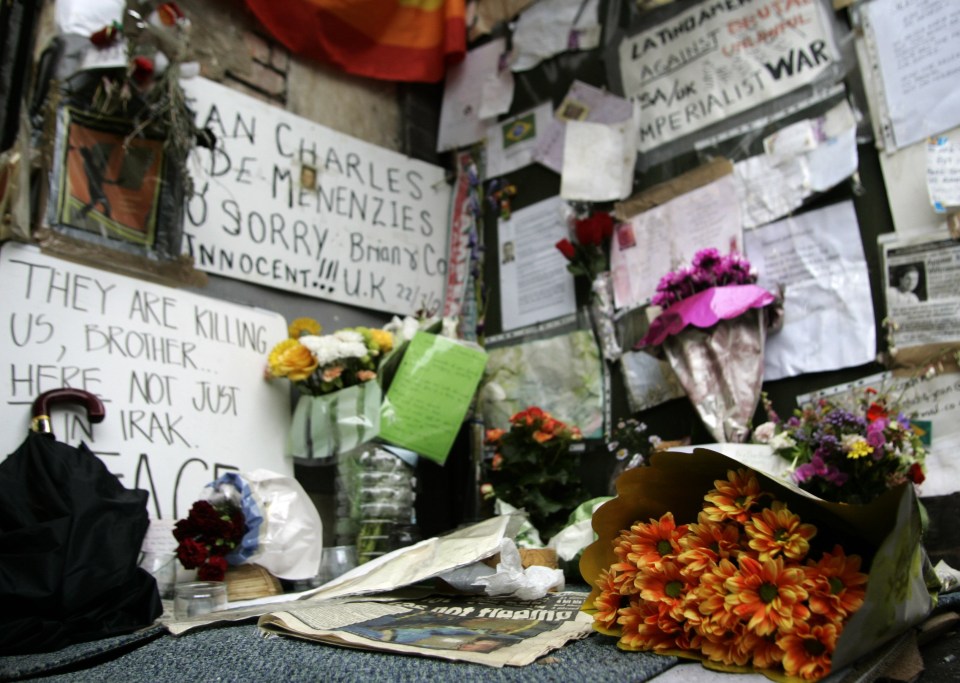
(884, 533)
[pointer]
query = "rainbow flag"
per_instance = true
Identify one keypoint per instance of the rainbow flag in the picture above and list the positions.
(393, 40)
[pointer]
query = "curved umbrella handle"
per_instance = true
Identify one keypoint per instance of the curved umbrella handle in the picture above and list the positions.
(43, 402)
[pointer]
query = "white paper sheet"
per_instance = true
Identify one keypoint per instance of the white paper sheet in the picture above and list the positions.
(769, 188)
(914, 43)
(534, 282)
(460, 122)
(652, 243)
(496, 94)
(511, 143)
(598, 161)
(828, 307)
(550, 27)
(943, 172)
(582, 103)
(935, 400)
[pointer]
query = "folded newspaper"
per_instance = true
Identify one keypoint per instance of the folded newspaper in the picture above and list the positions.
(483, 630)
(358, 608)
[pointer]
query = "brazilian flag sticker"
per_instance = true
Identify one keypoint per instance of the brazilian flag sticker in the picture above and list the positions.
(524, 128)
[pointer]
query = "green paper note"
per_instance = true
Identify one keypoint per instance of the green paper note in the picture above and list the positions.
(430, 395)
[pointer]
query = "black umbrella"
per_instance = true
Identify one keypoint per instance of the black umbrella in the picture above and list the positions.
(70, 536)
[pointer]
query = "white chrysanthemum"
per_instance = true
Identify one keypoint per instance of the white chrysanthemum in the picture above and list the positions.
(330, 348)
(765, 432)
(781, 441)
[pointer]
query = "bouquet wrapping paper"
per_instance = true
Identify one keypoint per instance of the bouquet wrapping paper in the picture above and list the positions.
(328, 424)
(885, 532)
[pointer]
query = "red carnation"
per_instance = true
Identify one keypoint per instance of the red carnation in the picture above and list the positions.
(566, 248)
(213, 569)
(191, 553)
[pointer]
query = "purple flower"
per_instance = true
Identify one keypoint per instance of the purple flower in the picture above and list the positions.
(875, 434)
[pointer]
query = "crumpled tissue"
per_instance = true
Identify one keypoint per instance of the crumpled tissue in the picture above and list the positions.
(508, 579)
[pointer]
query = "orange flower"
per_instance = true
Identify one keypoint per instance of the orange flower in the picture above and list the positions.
(764, 650)
(706, 543)
(650, 543)
(494, 435)
(365, 375)
(497, 462)
(769, 593)
(667, 586)
(728, 647)
(710, 609)
(542, 437)
(640, 628)
(331, 373)
(807, 650)
(607, 603)
(625, 577)
(836, 585)
(777, 530)
(733, 499)
(291, 359)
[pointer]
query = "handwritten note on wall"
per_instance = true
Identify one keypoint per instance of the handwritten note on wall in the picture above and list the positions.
(429, 397)
(180, 375)
(717, 59)
(284, 202)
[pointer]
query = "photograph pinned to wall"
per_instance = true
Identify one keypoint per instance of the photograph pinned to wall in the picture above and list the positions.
(817, 259)
(511, 143)
(710, 62)
(534, 283)
(694, 211)
(527, 374)
(583, 102)
(920, 275)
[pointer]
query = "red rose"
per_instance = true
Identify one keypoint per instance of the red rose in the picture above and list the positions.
(191, 553)
(594, 230)
(916, 473)
(206, 519)
(213, 569)
(566, 248)
(105, 37)
(141, 69)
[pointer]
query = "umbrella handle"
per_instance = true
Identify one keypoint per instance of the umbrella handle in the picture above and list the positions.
(43, 402)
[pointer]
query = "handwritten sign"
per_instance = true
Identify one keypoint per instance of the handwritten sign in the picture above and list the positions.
(284, 202)
(718, 59)
(180, 375)
(429, 397)
(943, 172)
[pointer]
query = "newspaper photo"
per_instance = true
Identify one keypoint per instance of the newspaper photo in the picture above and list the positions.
(479, 629)
(920, 287)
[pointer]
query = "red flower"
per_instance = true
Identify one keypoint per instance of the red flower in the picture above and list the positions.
(567, 249)
(191, 553)
(916, 473)
(875, 412)
(213, 569)
(169, 13)
(105, 37)
(141, 69)
(594, 230)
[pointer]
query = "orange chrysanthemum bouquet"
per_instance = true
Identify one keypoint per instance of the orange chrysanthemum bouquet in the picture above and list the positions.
(758, 576)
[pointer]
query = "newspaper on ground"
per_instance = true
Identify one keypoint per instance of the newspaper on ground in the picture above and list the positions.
(479, 629)
(420, 562)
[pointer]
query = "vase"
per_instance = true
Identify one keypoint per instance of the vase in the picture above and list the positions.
(721, 370)
(601, 315)
(326, 425)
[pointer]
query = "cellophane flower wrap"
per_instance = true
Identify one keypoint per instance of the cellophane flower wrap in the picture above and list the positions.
(701, 557)
(336, 374)
(848, 451)
(712, 331)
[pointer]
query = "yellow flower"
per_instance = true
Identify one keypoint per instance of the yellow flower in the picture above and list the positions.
(383, 340)
(856, 446)
(302, 326)
(777, 530)
(291, 359)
